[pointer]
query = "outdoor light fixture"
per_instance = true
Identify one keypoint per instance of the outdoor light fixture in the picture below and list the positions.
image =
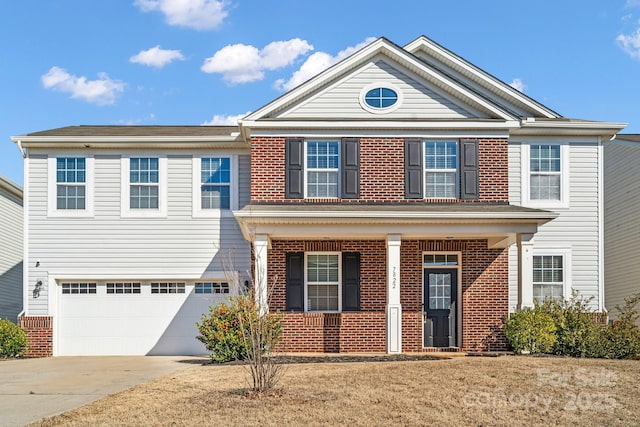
(36, 289)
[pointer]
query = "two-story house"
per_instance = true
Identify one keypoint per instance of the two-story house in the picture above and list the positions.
(401, 200)
(11, 238)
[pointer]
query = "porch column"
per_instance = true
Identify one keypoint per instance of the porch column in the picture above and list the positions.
(394, 310)
(260, 285)
(525, 270)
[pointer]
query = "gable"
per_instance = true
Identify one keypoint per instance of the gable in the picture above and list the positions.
(417, 97)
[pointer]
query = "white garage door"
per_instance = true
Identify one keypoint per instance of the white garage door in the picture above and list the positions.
(133, 318)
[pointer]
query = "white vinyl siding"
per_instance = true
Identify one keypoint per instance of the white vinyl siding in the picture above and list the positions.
(421, 100)
(622, 222)
(178, 245)
(11, 253)
(577, 225)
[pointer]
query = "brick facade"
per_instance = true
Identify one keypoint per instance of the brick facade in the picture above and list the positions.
(39, 334)
(484, 284)
(381, 172)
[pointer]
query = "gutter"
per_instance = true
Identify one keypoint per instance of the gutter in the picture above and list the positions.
(19, 142)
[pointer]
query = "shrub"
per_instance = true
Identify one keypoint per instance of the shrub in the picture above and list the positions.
(221, 332)
(13, 339)
(623, 336)
(531, 330)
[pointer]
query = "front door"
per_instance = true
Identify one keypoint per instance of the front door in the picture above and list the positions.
(440, 302)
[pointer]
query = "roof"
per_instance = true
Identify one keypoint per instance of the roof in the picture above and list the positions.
(138, 131)
(11, 187)
(634, 137)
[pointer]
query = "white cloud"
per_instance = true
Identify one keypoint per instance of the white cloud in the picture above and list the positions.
(156, 57)
(316, 63)
(240, 63)
(102, 91)
(518, 84)
(630, 43)
(222, 120)
(196, 14)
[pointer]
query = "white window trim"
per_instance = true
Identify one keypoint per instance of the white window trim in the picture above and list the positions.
(381, 84)
(338, 169)
(306, 281)
(525, 155)
(456, 170)
(125, 210)
(566, 264)
(52, 206)
(196, 198)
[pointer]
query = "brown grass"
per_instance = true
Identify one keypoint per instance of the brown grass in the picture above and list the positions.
(506, 390)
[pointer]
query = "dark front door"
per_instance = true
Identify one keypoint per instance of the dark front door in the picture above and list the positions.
(440, 302)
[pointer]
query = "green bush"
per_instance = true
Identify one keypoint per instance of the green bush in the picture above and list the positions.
(531, 330)
(623, 336)
(221, 332)
(13, 339)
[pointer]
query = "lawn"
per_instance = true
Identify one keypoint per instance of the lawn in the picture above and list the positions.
(480, 391)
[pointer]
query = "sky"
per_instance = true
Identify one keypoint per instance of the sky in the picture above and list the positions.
(195, 62)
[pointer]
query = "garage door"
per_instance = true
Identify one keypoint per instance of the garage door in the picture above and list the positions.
(133, 318)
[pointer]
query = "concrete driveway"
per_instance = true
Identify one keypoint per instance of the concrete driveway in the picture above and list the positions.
(31, 389)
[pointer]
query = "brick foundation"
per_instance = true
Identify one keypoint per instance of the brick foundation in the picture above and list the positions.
(484, 284)
(40, 335)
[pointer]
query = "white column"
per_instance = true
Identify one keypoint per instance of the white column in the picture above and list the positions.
(260, 285)
(525, 270)
(394, 310)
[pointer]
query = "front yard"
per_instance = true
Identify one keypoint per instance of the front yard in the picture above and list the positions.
(475, 391)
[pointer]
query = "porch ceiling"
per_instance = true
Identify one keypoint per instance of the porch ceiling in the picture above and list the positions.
(498, 223)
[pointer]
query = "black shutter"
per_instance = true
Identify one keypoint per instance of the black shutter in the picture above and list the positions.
(413, 169)
(350, 281)
(350, 168)
(294, 178)
(295, 281)
(469, 169)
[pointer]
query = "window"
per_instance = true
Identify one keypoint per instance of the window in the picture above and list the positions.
(437, 260)
(380, 98)
(144, 177)
(545, 172)
(215, 176)
(212, 288)
(322, 277)
(70, 185)
(144, 186)
(71, 175)
(548, 277)
(79, 288)
(123, 288)
(441, 174)
(167, 288)
(322, 161)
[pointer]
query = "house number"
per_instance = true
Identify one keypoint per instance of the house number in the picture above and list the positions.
(394, 277)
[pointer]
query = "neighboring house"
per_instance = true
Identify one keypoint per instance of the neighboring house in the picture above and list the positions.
(621, 220)
(402, 200)
(11, 237)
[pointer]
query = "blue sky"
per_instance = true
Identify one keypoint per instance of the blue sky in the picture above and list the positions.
(191, 62)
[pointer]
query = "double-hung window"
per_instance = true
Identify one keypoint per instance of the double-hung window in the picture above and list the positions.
(144, 186)
(144, 180)
(548, 277)
(441, 169)
(70, 191)
(215, 178)
(545, 181)
(323, 281)
(71, 178)
(323, 169)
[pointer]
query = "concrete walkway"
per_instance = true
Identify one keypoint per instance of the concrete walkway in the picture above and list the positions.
(32, 389)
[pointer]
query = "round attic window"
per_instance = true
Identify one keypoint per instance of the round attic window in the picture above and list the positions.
(380, 98)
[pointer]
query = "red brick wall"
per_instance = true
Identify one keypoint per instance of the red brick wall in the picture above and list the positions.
(381, 172)
(40, 335)
(485, 293)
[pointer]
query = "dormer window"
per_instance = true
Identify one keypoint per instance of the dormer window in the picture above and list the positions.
(380, 98)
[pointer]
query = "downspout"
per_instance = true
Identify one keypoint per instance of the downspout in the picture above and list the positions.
(24, 154)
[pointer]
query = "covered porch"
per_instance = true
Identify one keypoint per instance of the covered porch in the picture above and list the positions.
(428, 276)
